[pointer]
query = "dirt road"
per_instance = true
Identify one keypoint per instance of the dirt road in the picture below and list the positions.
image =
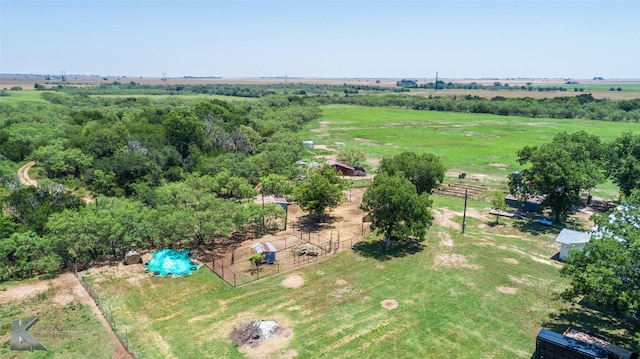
(23, 174)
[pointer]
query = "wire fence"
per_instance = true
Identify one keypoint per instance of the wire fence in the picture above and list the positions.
(292, 251)
(121, 334)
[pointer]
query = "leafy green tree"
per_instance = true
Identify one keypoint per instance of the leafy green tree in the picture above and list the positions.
(128, 168)
(59, 161)
(103, 139)
(320, 191)
(623, 162)
(183, 129)
(396, 209)
(425, 171)
(190, 211)
(352, 156)
(26, 254)
(498, 203)
(606, 272)
(108, 228)
(32, 205)
(561, 169)
(105, 183)
(275, 184)
(227, 186)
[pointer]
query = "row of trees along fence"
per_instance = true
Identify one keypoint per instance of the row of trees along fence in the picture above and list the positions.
(237, 270)
(122, 335)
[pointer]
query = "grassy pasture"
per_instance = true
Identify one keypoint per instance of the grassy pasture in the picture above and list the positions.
(472, 143)
(68, 329)
(484, 294)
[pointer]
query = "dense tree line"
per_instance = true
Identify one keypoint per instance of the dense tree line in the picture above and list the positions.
(496, 86)
(162, 172)
(246, 90)
(583, 106)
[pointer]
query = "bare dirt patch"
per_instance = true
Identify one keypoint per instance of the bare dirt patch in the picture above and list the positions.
(454, 261)
(293, 281)
(444, 218)
(445, 240)
(498, 165)
(511, 260)
(23, 291)
(265, 338)
(507, 290)
(389, 304)
(133, 273)
(341, 282)
(255, 333)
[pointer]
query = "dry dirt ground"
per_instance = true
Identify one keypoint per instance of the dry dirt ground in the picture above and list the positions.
(68, 289)
(342, 223)
(23, 174)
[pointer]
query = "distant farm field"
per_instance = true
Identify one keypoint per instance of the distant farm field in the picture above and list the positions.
(471, 143)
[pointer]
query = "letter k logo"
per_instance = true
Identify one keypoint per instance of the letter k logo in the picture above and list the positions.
(21, 339)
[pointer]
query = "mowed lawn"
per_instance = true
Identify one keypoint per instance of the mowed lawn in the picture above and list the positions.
(482, 294)
(471, 143)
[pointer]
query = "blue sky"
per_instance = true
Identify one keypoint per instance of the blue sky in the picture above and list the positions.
(310, 38)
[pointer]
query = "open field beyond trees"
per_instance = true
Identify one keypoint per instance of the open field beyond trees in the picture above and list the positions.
(483, 146)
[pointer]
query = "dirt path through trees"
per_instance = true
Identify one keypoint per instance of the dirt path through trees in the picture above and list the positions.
(23, 174)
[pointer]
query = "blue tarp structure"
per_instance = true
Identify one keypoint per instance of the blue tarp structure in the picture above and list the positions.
(168, 262)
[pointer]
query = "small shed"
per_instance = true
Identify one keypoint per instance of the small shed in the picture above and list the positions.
(341, 168)
(530, 205)
(267, 249)
(570, 239)
(307, 143)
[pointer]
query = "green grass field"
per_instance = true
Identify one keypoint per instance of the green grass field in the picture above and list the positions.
(471, 143)
(67, 330)
(484, 294)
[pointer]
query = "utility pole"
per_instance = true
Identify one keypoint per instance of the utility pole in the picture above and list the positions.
(464, 215)
(435, 88)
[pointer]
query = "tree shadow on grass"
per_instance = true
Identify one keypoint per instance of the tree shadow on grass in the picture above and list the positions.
(618, 330)
(534, 228)
(399, 248)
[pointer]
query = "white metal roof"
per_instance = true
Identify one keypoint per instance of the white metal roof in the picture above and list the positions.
(569, 236)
